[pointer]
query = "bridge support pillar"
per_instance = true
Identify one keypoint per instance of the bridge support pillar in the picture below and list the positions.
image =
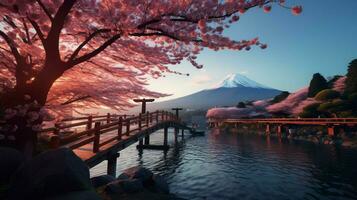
(267, 129)
(279, 131)
(176, 134)
(112, 164)
(331, 131)
(140, 142)
(147, 140)
(165, 136)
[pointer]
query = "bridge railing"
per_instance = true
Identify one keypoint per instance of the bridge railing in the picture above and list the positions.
(297, 121)
(123, 126)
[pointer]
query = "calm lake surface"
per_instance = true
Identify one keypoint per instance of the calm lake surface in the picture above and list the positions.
(242, 166)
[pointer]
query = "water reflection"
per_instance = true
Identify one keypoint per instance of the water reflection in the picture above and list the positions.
(231, 165)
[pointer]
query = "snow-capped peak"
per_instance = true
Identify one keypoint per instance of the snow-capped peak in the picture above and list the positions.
(239, 80)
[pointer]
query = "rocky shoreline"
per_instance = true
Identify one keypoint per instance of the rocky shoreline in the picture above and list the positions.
(312, 134)
(60, 175)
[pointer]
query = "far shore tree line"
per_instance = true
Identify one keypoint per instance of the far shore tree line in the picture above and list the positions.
(329, 101)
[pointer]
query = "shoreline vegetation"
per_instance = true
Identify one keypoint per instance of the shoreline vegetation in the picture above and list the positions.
(323, 98)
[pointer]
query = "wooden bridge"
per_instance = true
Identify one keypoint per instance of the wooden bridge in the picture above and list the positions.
(103, 141)
(330, 123)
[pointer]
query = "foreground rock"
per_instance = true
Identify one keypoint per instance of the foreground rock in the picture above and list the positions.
(136, 183)
(50, 174)
(10, 161)
(99, 181)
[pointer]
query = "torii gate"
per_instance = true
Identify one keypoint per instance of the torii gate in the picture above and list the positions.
(143, 111)
(143, 103)
(177, 111)
(177, 116)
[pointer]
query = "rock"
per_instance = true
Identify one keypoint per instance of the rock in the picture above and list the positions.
(139, 173)
(10, 159)
(82, 195)
(160, 184)
(99, 181)
(125, 186)
(123, 176)
(51, 173)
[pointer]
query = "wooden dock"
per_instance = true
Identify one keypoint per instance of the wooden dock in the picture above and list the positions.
(279, 123)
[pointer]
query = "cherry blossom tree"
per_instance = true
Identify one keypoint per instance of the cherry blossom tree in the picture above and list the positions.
(91, 53)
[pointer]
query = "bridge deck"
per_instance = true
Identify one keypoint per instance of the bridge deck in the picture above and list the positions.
(95, 144)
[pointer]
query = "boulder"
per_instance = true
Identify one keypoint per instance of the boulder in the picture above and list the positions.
(50, 173)
(10, 159)
(139, 173)
(123, 177)
(99, 181)
(125, 186)
(160, 184)
(77, 195)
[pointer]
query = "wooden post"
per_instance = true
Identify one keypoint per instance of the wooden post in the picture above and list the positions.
(96, 137)
(112, 164)
(140, 127)
(90, 121)
(165, 135)
(120, 127)
(183, 133)
(108, 118)
(127, 127)
(139, 121)
(147, 118)
(147, 138)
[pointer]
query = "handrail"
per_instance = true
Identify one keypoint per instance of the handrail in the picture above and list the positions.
(290, 120)
(92, 134)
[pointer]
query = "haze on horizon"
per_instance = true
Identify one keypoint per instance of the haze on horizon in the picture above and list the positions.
(322, 39)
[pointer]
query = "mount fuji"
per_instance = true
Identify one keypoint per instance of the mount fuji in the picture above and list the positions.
(231, 90)
(239, 80)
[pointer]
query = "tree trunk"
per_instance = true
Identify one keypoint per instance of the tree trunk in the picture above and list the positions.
(20, 129)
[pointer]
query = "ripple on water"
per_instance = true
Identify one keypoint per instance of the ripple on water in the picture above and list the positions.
(242, 166)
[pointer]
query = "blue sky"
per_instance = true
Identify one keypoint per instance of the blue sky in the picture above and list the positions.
(322, 39)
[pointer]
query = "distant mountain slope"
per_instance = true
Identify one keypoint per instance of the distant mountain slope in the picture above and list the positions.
(231, 90)
(216, 97)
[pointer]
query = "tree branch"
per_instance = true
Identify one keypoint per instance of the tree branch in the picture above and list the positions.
(89, 38)
(158, 33)
(12, 46)
(94, 52)
(27, 31)
(72, 100)
(38, 31)
(52, 40)
(45, 9)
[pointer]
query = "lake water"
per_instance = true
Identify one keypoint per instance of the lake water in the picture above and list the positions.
(242, 166)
